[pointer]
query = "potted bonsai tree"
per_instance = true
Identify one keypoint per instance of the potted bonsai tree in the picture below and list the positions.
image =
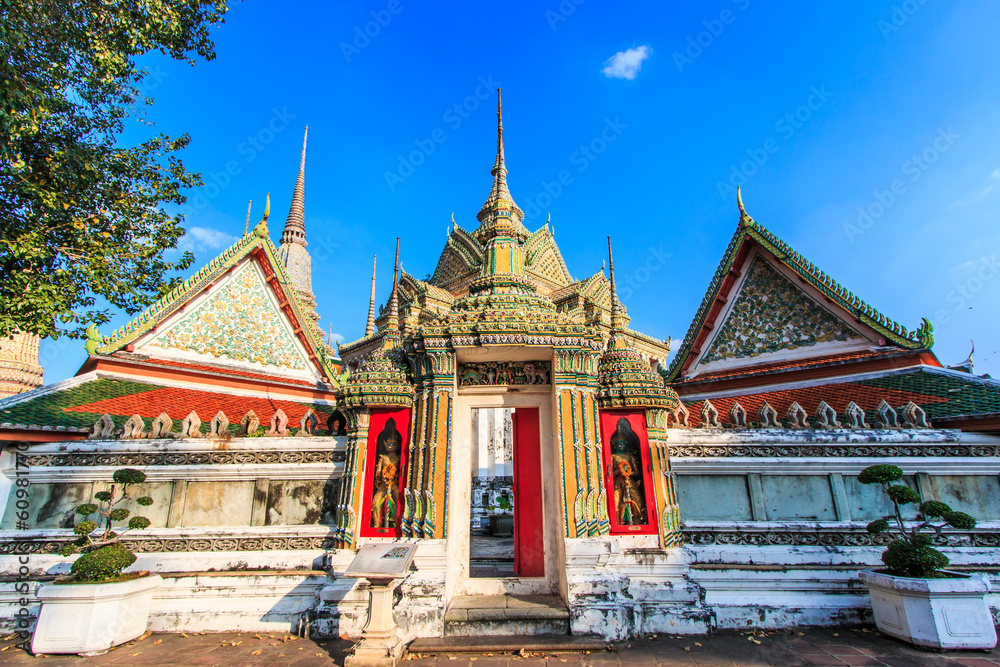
(914, 598)
(99, 606)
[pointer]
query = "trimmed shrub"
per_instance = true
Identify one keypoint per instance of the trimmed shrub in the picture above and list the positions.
(102, 564)
(911, 553)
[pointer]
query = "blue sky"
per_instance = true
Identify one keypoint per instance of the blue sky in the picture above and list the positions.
(864, 134)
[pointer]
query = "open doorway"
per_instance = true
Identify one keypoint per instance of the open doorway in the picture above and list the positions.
(506, 532)
(491, 543)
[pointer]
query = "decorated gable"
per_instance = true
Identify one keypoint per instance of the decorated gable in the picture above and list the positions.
(238, 320)
(544, 263)
(771, 315)
(767, 304)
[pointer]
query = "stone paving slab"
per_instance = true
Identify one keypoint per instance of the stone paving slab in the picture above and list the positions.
(787, 648)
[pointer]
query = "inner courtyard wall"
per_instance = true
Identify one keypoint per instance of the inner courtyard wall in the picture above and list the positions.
(773, 523)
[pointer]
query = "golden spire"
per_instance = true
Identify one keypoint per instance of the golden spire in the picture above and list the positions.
(370, 326)
(616, 314)
(246, 225)
(499, 203)
(392, 326)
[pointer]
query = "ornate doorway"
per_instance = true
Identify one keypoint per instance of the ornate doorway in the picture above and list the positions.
(503, 461)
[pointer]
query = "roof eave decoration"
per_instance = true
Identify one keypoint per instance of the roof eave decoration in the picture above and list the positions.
(257, 243)
(625, 380)
(748, 228)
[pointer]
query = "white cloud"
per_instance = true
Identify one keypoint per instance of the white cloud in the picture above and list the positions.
(626, 64)
(202, 239)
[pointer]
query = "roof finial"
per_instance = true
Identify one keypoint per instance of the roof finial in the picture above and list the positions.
(246, 225)
(499, 202)
(616, 314)
(392, 326)
(370, 326)
(499, 164)
(261, 228)
(295, 224)
(739, 201)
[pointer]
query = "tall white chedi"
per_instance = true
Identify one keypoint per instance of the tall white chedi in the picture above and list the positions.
(292, 250)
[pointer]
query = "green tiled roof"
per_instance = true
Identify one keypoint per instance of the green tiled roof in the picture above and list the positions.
(965, 396)
(52, 409)
(79, 406)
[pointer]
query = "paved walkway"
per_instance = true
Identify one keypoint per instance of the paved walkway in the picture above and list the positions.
(826, 646)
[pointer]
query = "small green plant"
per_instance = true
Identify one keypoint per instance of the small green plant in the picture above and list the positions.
(503, 503)
(103, 555)
(911, 554)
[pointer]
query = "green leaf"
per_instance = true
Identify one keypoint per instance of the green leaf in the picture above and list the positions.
(881, 473)
(902, 495)
(138, 523)
(129, 476)
(85, 528)
(878, 526)
(119, 514)
(86, 509)
(934, 508)
(959, 520)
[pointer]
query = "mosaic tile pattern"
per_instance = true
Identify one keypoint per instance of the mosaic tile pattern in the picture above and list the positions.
(238, 322)
(771, 314)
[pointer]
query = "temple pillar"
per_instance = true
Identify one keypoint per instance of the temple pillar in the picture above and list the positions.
(584, 496)
(426, 492)
(351, 491)
(667, 509)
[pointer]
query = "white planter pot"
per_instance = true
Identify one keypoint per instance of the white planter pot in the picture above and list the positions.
(941, 613)
(91, 618)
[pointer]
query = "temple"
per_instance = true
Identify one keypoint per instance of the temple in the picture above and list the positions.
(558, 471)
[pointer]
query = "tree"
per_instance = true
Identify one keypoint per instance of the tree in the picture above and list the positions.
(83, 228)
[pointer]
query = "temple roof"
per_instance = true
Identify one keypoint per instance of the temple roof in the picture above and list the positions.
(239, 310)
(764, 289)
(625, 378)
(950, 399)
(73, 405)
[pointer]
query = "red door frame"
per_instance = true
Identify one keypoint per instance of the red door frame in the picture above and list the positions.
(529, 535)
(637, 420)
(376, 423)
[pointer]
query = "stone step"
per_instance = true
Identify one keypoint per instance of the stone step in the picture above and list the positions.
(497, 615)
(508, 644)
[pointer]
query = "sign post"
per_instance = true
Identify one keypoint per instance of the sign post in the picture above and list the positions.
(384, 565)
